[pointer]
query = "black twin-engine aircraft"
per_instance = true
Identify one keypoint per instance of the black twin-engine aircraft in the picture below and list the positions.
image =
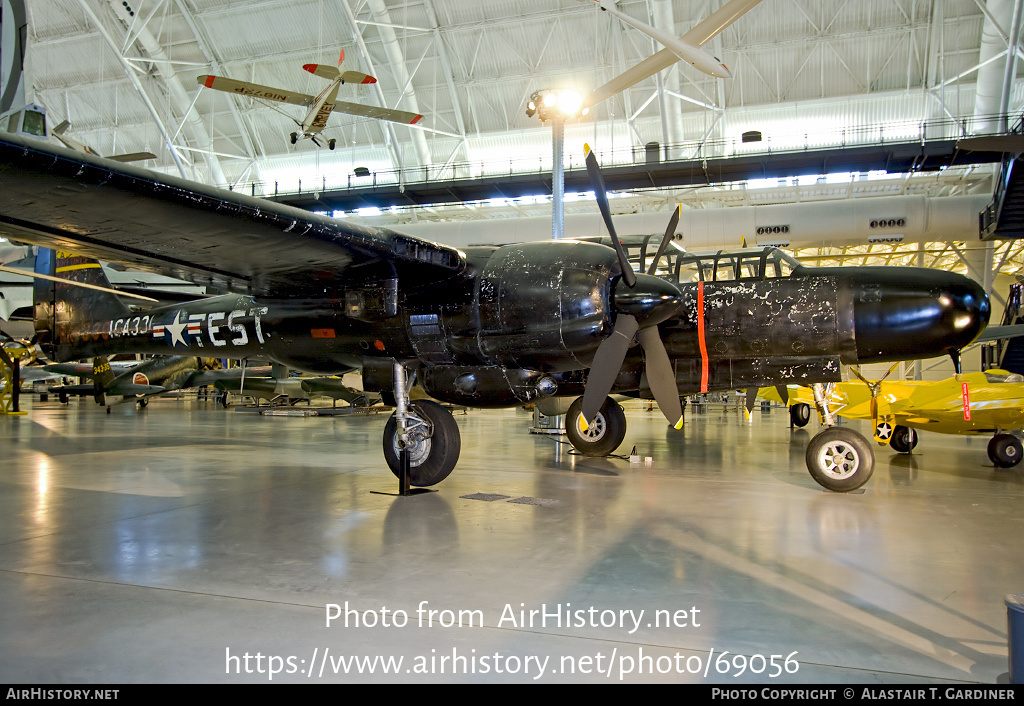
(487, 327)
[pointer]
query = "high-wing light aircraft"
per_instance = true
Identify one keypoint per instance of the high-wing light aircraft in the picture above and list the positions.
(487, 327)
(60, 132)
(973, 403)
(686, 48)
(319, 106)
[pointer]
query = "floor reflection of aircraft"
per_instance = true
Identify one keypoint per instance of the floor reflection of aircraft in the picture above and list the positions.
(488, 327)
(686, 48)
(319, 106)
(975, 403)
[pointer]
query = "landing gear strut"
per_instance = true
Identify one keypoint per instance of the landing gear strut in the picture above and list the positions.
(421, 439)
(838, 459)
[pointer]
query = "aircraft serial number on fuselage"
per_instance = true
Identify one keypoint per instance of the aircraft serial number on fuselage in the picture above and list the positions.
(188, 329)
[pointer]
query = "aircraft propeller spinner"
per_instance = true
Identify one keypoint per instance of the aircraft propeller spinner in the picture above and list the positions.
(640, 303)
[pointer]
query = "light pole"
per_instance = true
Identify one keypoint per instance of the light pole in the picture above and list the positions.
(556, 105)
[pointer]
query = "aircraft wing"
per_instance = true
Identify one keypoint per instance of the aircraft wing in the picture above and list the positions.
(254, 90)
(34, 373)
(370, 111)
(54, 197)
(996, 333)
(84, 370)
(702, 33)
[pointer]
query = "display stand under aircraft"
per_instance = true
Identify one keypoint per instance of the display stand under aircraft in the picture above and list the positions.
(485, 327)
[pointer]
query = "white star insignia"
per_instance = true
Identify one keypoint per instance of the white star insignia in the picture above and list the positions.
(176, 330)
(883, 430)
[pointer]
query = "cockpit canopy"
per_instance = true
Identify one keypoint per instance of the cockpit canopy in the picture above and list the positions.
(681, 266)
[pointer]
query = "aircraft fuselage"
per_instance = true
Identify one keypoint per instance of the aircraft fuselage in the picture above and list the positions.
(524, 322)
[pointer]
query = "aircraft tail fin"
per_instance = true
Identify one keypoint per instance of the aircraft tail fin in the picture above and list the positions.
(102, 375)
(333, 73)
(323, 71)
(61, 308)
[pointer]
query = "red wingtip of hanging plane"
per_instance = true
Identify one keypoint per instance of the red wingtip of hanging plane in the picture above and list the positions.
(369, 79)
(311, 68)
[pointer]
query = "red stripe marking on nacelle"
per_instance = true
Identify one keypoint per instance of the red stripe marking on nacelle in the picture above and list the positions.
(700, 338)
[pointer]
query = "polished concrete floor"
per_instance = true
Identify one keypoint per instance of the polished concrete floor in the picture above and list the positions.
(188, 543)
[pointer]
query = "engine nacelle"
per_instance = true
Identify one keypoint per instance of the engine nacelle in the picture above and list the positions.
(486, 386)
(546, 306)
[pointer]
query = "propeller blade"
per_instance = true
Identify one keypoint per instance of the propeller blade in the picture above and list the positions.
(601, 194)
(862, 378)
(748, 404)
(954, 354)
(670, 232)
(606, 365)
(889, 371)
(660, 376)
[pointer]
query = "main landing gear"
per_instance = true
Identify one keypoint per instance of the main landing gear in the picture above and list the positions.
(901, 439)
(605, 433)
(838, 458)
(422, 437)
(1005, 450)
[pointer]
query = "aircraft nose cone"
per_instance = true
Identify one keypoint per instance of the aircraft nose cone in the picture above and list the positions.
(651, 300)
(916, 313)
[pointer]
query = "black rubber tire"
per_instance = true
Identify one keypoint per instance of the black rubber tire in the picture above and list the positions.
(840, 459)
(1005, 450)
(800, 414)
(432, 458)
(903, 440)
(604, 435)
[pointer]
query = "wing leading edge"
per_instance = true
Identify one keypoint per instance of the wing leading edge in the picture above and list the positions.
(57, 198)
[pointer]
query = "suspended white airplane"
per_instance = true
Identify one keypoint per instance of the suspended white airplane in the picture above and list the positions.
(686, 48)
(73, 144)
(321, 105)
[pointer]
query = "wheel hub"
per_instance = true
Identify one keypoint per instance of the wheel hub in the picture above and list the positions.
(839, 460)
(595, 431)
(416, 442)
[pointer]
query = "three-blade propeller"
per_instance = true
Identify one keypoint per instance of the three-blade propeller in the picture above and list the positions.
(640, 305)
(875, 388)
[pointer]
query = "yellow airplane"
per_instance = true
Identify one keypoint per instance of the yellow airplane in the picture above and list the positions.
(974, 403)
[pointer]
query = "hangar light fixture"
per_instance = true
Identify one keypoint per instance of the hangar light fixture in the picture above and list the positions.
(556, 105)
(548, 103)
